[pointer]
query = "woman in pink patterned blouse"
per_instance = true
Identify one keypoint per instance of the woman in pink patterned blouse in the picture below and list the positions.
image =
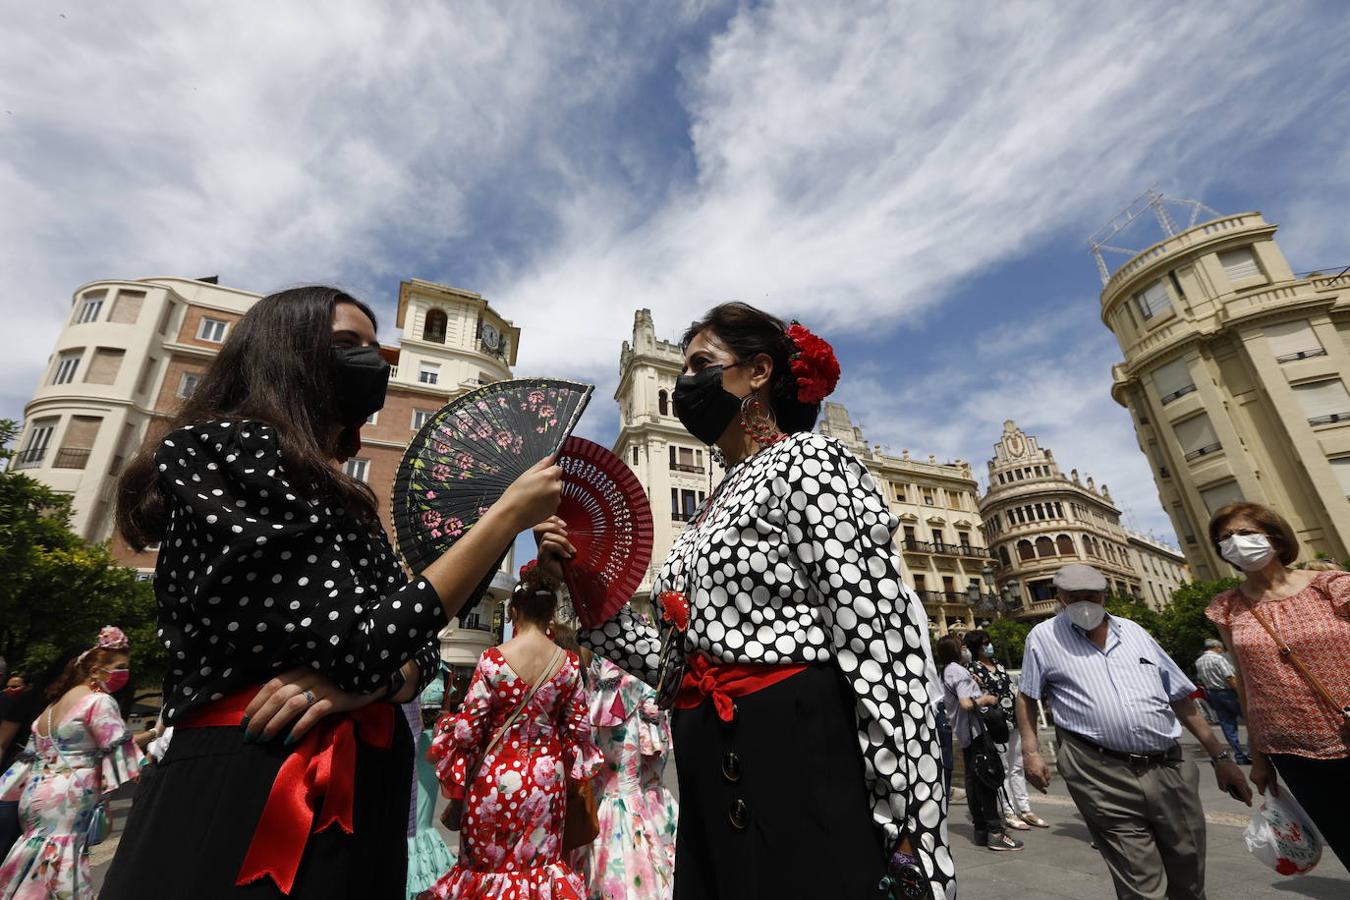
(1294, 730)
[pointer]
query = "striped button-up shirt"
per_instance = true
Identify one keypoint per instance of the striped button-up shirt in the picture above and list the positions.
(1119, 696)
(1213, 670)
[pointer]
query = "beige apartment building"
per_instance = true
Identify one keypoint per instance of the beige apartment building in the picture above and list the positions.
(1234, 372)
(132, 350)
(943, 550)
(1161, 567)
(1037, 519)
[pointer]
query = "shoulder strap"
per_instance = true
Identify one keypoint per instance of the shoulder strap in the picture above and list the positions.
(1288, 653)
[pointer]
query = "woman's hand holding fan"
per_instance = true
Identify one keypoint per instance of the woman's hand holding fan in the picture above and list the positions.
(550, 536)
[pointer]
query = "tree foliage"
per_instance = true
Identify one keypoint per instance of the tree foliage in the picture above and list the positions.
(58, 589)
(1010, 638)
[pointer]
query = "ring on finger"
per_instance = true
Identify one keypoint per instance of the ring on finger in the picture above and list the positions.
(310, 698)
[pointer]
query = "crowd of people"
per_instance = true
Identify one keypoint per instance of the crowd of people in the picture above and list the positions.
(308, 728)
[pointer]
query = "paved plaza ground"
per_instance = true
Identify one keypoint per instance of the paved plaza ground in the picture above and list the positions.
(1059, 863)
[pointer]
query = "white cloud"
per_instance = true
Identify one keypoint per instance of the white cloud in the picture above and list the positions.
(858, 163)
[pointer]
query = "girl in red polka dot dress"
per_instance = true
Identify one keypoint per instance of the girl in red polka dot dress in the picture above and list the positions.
(522, 732)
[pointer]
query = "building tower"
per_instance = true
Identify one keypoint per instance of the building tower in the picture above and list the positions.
(1037, 519)
(1234, 374)
(667, 459)
(133, 350)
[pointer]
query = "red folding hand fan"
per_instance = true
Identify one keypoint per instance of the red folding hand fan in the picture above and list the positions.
(609, 522)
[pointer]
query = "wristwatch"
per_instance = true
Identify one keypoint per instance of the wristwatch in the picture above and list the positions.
(1224, 756)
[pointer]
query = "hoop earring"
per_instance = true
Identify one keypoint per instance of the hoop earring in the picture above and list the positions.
(758, 422)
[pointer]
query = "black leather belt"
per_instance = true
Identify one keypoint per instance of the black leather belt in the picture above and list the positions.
(1134, 759)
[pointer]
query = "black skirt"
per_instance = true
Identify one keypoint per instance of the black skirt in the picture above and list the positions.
(191, 824)
(773, 804)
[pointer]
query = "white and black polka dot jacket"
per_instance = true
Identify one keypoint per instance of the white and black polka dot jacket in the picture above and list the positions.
(793, 562)
(254, 579)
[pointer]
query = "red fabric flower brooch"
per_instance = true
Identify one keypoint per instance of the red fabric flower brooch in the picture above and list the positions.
(814, 365)
(675, 609)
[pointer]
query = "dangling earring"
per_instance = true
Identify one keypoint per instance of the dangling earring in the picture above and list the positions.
(758, 422)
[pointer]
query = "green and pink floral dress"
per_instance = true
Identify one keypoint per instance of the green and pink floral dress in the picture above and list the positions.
(56, 781)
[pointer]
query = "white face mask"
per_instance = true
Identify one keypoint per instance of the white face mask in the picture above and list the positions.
(1086, 614)
(1249, 552)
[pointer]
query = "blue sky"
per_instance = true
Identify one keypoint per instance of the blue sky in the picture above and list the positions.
(915, 181)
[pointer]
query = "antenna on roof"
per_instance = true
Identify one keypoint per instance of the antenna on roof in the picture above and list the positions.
(1151, 201)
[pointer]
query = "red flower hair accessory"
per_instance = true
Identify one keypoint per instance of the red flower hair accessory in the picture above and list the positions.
(675, 609)
(814, 365)
(528, 567)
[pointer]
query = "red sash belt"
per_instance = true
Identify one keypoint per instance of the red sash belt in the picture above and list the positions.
(724, 682)
(321, 768)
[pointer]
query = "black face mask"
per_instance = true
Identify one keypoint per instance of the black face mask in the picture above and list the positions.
(704, 407)
(360, 379)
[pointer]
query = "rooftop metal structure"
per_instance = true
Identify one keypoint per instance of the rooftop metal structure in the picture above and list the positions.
(1151, 202)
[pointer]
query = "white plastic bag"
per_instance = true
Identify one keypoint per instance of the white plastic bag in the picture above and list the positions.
(1282, 836)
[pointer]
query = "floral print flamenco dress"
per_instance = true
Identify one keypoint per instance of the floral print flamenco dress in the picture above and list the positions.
(633, 858)
(511, 835)
(56, 783)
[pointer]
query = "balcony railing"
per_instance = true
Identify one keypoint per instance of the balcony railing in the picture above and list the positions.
(29, 459)
(1181, 392)
(681, 516)
(1301, 354)
(1329, 418)
(1203, 451)
(943, 597)
(914, 546)
(976, 552)
(686, 467)
(71, 458)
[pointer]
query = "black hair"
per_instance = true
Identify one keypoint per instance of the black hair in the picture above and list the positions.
(535, 598)
(947, 650)
(748, 332)
(975, 640)
(275, 367)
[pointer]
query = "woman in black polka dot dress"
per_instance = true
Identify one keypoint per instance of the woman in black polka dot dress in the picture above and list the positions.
(797, 639)
(283, 610)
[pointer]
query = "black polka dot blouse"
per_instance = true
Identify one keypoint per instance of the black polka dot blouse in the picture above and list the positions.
(253, 579)
(792, 561)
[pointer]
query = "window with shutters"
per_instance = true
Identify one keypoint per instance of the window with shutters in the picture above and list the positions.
(1220, 495)
(77, 442)
(127, 307)
(91, 304)
(104, 365)
(1240, 265)
(35, 449)
(1025, 550)
(1289, 341)
(1064, 544)
(429, 373)
(1155, 454)
(1341, 466)
(1196, 436)
(1045, 546)
(1152, 300)
(420, 417)
(1173, 380)
(188, 384)
(357, 468)
(1324, 401)
(66, 364)
(212, 330)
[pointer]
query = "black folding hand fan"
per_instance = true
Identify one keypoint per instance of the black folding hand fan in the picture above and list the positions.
(469, 453)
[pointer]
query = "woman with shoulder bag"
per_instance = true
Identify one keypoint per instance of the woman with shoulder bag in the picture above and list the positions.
(971, 726)
(1290, 635)
(507, 758)
(78, 751)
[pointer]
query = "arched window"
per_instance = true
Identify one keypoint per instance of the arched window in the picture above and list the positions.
(433, 326)
(1003, 556)
(1045, 546)
(663, 402)
(1065, 544)
(1025, 550)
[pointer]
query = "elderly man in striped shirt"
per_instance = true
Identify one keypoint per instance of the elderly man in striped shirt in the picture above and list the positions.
(1119, 703)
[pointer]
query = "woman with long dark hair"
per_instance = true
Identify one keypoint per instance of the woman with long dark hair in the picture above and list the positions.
(783, 607)
(283, 610)
(79, 750)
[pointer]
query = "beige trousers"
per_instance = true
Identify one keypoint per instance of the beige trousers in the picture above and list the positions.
(1146, 819)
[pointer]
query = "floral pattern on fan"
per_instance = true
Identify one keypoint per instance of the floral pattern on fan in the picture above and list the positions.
(469, 452)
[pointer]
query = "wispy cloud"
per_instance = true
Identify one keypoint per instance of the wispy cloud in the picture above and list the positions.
(860, 165)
